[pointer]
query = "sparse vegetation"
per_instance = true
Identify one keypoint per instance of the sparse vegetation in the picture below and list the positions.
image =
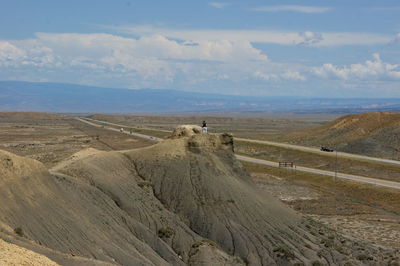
(364, 256)
(145, 184)
(382, 198)
(203, 242)
(317, 263)
(19, 231)
(166, 232)
(284, 252)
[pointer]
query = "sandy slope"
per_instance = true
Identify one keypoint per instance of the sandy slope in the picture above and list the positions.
(373, 134)
(13, 255)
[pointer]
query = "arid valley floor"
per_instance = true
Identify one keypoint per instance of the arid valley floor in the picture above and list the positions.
(361, 212)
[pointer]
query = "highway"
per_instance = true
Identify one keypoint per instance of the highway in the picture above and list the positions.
(356, 178)
(316, 150)
(119, 130)
(287, 146)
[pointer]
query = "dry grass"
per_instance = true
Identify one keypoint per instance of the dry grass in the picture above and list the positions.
(340, 192)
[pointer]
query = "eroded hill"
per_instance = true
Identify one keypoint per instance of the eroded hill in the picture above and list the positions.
(184, 201)
(374, 134)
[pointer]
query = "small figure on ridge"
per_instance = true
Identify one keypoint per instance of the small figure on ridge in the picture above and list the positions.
(204, 127)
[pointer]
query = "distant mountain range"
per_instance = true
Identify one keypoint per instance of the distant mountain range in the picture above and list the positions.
(60, 97)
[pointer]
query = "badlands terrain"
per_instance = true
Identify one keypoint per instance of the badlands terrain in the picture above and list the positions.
(76, 194)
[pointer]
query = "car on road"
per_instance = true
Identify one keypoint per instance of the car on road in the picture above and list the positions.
(326, 149)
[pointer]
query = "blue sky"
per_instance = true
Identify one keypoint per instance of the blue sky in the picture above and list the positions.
(348, 48)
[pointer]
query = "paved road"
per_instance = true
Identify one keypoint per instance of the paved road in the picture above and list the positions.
(118, 130)
(289, 146)
(315, 150)
(125, 126)
(361, 179)
(356, 178)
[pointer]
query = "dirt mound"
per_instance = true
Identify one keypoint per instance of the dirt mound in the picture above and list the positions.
(184, 201)
(185, 131)
(12, 166)
(369, 133)
(71, 216)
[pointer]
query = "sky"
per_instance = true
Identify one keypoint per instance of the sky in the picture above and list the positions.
(310, 48)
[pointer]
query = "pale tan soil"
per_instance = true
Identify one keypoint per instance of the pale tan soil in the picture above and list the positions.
(358, 219)
(51, 140)
(12, 255)
(381, 230)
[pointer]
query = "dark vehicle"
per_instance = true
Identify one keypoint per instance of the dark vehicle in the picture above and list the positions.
(326, 149)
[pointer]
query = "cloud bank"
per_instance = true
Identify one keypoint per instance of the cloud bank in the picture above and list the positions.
(290, 38)
(158, 61)
(374, 69)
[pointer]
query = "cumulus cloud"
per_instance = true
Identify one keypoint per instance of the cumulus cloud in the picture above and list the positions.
(374, 69)
(148, 61)
(293, 8)
(153, 46)
(34, 54)
(9, 52)
(310, 38)
(218, 4)
(293, 75)
(274, 77)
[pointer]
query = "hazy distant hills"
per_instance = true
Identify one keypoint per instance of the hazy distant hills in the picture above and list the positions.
(59, 97)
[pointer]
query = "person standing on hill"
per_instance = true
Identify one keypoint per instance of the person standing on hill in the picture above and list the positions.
(204, 128)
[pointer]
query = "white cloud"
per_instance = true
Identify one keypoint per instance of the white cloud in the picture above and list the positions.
(156, 61)
(9, 52)
(33, 54)
(274, 77)
(374, 69)
(396, 39)
(265, 76)
(260, 36)
(152, 46)
(310, 38)
(218, 4)
(293, 8)
(293, 75)
(150, 61)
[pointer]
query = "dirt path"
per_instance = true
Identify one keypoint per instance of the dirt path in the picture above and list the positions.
(361, 179)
